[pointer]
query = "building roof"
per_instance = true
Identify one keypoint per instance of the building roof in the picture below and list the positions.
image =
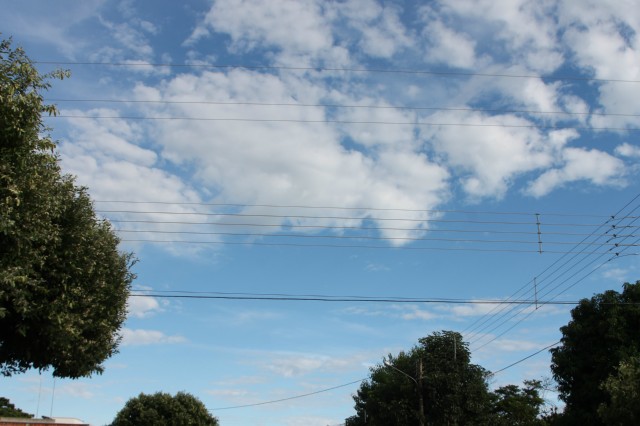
(44, 421)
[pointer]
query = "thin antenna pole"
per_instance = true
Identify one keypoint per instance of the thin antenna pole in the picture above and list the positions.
(39, 394)
(53, 394)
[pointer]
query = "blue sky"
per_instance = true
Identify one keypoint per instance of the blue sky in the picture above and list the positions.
(338, 148)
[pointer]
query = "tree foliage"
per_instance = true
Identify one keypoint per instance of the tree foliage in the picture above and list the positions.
(7, 409)
(623, 388)
(601, 336)
(162, 409)
(515, 406)
(453, 391)
(63, 283)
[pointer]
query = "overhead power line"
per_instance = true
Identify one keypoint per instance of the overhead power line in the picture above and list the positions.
(558, 277)
(286, 399)
(327, 298)
(358, 208)
(356, 217)
(416, 123)
(275, 401)
(493, 373)
(364, 237)
(349, 246)
(274, 227)
(336, 106)
(350, 70)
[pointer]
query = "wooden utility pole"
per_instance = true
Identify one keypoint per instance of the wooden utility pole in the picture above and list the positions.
(420, 396)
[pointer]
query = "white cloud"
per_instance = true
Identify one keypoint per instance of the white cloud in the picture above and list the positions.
(447, 46)
(604, 39)
(51, 23)
(77, 390)
(228, 392)
(419, 314)
(523, 28)
(382, 33)
(594, 166)
(244, 317)
(293, 365)
(130, 38)
(140, 337)
(376, 267)
(143, 306)
(292, 164)
(254, 23)
(513, 345)
(628, 150)
(617, 275)
(470, 310)
(491, 154)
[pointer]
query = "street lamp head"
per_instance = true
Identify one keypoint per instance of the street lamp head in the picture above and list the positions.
(386, 362)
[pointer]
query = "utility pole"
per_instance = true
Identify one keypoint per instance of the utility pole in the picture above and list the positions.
(418, 384)
(420, 396)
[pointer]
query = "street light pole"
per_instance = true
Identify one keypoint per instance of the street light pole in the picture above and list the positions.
(418, 384)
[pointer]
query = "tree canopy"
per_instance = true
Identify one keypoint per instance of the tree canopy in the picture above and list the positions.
(597, 355)
(7, 409)
(433, 384)
(515, 406)
(63, 282)
(623, 388)
(162, 409)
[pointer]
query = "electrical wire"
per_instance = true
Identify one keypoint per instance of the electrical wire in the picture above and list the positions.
(257, 404)
(327, 298)
(303, 105)
(359, 237)
(524, 359)
(347, 246)
(329, 121)
(360, 217)
(606, 224)
(501, 321)
(342, 228)
(318, 207)
(286, 399)
(351, 70)
(291, 222)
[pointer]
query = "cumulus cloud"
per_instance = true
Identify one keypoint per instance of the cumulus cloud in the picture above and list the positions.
(596, 167)
(488, 161)
(143, 306)
(253, 23)
(628, 150)
(419, 314)
(382, 33)
(447, 46)
(276, 137)
(262, 162)
(292, 365)
(514, 345)
(142, 337)
(471, 309)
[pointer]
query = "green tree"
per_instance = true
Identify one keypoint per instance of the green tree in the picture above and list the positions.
(162, 409)
(63, 283)
(602, 333)
(623, 388)
(7, 409)
(435, 378)
(512, 405)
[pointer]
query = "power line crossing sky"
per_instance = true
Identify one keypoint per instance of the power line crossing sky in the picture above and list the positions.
(312, 185)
